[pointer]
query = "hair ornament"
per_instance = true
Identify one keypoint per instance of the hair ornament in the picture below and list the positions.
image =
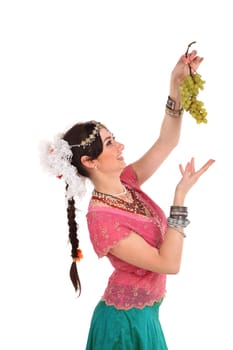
(56, 159)
(88, 141)
(79, 255)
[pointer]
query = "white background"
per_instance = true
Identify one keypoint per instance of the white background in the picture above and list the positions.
(67, 61)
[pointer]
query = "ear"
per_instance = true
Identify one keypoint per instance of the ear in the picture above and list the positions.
(87, 162)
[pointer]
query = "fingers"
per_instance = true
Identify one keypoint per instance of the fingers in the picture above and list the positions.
(181, 169)
(192, 59)
(195, 64)
(192, 55)
(184, 170)
(205, 167)
(189, 169)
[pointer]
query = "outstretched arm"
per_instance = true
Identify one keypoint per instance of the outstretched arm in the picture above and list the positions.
(136, 251)
(171, 126)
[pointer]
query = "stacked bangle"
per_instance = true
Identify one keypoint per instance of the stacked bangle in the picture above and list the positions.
(175, 114)
(170, 108)
(178, 222)
(178, 218)
(178, 212)
(178, 208)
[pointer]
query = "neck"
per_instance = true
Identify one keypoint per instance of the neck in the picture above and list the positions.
(109, 185)
(115, 194)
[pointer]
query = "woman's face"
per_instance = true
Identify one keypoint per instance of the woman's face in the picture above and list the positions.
(111, 158)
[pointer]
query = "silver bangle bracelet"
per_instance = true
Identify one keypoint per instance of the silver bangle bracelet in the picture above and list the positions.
(176, 229)
(178, 222)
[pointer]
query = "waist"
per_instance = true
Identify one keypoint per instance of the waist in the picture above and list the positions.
(135, 292)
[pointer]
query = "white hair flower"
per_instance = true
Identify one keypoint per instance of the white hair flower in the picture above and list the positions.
(56, 159)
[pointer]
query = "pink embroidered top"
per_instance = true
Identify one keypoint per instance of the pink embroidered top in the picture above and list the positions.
(128, 286)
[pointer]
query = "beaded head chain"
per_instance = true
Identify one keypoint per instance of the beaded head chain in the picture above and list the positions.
(91, 137)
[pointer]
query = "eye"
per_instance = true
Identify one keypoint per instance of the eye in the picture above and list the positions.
(110, 141)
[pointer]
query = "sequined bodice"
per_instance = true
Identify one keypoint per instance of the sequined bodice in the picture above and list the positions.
(113, 220)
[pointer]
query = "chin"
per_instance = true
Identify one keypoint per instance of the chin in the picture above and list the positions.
(123, 166)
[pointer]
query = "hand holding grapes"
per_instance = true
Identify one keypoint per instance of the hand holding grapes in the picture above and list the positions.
(182, 68)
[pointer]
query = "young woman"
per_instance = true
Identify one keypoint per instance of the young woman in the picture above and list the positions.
(125, 224)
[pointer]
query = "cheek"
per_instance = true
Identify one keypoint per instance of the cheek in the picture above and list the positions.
(106, 159)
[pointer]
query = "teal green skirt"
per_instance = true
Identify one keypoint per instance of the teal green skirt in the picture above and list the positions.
(134, 329)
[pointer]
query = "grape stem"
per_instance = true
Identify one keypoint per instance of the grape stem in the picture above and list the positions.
(186, 55)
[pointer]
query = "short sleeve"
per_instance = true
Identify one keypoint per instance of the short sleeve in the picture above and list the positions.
(105, 229)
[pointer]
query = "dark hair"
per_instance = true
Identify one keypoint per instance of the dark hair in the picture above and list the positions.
(74, 136)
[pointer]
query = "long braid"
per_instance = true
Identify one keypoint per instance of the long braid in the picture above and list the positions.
(93, 148)
(63, 159)
(73, 238)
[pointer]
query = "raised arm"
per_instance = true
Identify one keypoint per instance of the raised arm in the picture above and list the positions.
(170, 129)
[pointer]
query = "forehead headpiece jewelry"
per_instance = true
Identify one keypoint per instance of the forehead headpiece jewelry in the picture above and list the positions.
(91, 137)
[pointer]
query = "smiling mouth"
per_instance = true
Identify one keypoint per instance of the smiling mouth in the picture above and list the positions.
(120, 157)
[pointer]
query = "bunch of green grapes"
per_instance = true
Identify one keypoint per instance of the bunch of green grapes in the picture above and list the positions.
(189, 90)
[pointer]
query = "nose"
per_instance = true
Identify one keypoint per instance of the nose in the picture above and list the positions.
(120, 146)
